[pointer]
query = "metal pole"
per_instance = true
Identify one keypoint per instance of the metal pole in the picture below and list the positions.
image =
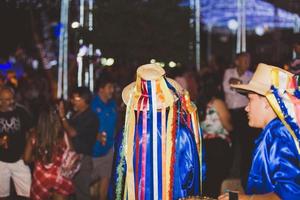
(79, 57)
(209, 30)
(243, 25)
(91, 68)
(239, 30)
(192, 26)
(81, 13)
(62, 48)
(80, 70)
(65, 41)
(197, 31)
(91, 50)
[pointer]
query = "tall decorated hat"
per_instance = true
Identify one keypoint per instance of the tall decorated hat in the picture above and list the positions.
(152, 99)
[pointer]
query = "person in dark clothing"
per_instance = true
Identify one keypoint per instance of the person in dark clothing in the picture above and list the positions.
(82, 128)
(243, 136)
(15, 123)
(215, 121)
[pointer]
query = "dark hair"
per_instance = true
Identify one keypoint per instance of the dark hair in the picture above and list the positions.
(49, 131)
(8, 88)
(241, 54)
(297, 42)
(209, 88)
(176, 72)
(103, 81)
(84, 93)
(2, 77)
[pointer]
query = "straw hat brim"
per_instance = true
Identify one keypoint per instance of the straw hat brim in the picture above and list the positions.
(261, 81)
(129, 89)
(252, 87)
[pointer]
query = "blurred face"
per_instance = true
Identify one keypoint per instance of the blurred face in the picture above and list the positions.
(107, 91)
(7, 100)
(182, 82)
(78, 103)
(243, 62)
(256, 109)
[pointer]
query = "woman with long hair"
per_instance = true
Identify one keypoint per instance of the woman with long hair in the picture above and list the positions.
(48, 146)
(216, 125)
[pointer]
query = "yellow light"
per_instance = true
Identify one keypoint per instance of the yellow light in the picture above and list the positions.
(172, 64)
(103, 61)
(75, 25)
(110, 61)
(152, 61)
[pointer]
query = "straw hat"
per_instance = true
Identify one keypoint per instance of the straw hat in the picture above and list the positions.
(263, 79)
(279, 87)
(152, 72)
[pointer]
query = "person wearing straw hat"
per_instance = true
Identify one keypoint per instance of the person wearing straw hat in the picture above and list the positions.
(157, 156)
(274, 106)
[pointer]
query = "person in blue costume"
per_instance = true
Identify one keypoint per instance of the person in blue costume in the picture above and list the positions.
(156, 155)
(274, 107)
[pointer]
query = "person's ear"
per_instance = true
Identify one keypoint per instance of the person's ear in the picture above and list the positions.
(267, 105)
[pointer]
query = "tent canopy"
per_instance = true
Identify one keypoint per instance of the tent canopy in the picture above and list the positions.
(219, 13)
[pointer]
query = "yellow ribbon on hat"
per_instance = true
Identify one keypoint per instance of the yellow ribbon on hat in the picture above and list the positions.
(168, 97)
(271, 98)
(280, 81)
(129, 137)
(169, 152)
(275, 77)
(192, 111)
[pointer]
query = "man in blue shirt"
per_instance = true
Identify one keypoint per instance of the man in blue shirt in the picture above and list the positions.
(106, 109)
(273, 105)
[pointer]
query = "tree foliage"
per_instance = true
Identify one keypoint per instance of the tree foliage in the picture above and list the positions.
(138, 30)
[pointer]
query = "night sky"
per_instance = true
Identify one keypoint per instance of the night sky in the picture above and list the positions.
(15, 29)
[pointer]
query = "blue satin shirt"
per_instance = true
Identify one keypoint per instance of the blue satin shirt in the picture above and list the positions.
(186, 167)
(276, 163)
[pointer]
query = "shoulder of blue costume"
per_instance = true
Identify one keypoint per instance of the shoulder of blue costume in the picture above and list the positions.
(185, 134)
(284, 161)
(278, 131)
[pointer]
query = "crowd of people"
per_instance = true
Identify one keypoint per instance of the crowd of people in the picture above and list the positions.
(55, 149)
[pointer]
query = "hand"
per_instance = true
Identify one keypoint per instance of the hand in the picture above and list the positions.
(4, 141)
(235, 81)
(61, 109)
(101, 137)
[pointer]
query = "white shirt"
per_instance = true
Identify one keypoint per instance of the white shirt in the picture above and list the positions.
(232, 98)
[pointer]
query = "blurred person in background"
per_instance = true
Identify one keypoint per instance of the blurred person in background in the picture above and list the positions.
(15, 125)
(48, 145)
(294, 66)
(178, 74)
(82, 128)
(186, 80)
(105, 107)
(242, 138)
(215, 122)
(2, 80)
